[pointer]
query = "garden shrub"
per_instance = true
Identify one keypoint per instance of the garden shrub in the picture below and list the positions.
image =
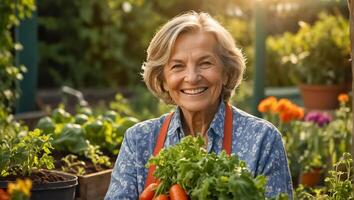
(10, 75)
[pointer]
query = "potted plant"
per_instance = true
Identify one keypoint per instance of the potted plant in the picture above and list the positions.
(338, 183)
(25, 154)
(313, 158)
(318, 55)
(312, 169)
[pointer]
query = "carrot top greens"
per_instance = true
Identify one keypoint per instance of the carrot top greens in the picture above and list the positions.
(204, 175)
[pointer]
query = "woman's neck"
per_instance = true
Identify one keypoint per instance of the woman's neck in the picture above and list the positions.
(197, 123)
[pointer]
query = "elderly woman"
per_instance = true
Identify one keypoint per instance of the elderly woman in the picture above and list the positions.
(193, 63)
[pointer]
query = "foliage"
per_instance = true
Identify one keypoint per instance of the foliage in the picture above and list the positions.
(22, 151)
(95, 155)
(314, 153)
(10, 75)
(340, 180)
(339, 183)
(90, 43)
(72, 165)
(339, 131)
(324, 45)
(99, 28)
(205, 175)
(8, 126)
(23, 154)
(86, 133)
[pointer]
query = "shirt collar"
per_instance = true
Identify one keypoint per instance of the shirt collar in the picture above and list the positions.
(216, 125)
(175, 124)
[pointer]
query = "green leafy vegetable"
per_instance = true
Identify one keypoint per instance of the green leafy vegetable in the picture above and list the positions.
(205, 175)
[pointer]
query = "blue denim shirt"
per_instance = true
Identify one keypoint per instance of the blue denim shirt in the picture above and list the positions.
(255, 141)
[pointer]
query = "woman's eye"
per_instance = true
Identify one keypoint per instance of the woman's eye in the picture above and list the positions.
(176, 66)
(206, 63)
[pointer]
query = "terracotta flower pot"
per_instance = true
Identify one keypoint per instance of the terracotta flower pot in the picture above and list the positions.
(321, 97)
(311, 178)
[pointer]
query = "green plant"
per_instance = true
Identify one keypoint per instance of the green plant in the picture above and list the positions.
(317, 54)
(109, 59)
(96, 156)
(340, 186)
(22, 151)
(305, 193)
(75, 133)
(70, 139)
(87, 133)
(72, 165)
(21, 155)
(205, 175)
(339, 183)
(315, 150)
(9, 128)
(11, 12)
(339, 132)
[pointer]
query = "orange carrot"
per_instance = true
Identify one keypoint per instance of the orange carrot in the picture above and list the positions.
(162, 197)
(149, 192)
(178, 193)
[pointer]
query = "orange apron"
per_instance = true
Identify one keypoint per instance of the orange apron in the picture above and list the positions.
(163, 132)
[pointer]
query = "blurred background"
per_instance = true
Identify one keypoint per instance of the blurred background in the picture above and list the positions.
(98, 47)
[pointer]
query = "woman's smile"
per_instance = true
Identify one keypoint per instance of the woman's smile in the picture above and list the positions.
(194, 91)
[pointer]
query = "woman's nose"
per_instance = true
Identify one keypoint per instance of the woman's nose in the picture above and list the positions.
(192, 75)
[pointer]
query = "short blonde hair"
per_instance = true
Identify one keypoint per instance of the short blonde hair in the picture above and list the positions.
(161, 45)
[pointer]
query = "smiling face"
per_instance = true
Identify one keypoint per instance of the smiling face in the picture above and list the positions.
(194, 74)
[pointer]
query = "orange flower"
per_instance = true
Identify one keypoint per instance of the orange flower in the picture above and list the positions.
(4, 195)
(289, 111)
(285, 117)
(298, 112)
(343, 98)
(267, 104)
(283, 104)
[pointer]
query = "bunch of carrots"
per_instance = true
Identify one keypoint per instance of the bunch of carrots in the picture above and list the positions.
(176, 193)
(187, 171)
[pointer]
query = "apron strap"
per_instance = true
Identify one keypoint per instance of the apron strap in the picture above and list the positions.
(227, 141)
(159, 145)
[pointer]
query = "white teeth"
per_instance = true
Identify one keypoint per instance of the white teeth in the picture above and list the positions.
(194, 91)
